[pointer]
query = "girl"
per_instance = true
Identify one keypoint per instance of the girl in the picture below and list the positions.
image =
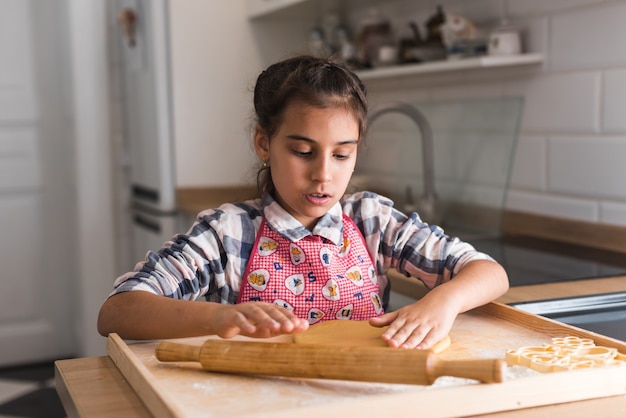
(302, 252)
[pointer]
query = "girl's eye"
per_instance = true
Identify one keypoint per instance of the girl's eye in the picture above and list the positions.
(302, 153)
(343, 154)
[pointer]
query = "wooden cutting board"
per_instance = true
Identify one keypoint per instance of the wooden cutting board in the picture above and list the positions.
(185, 390)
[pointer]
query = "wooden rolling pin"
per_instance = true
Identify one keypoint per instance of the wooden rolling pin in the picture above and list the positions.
(370, 364)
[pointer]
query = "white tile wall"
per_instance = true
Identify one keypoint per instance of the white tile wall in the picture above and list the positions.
(589, 37)
(614, 101)
(571, 155)
(563, 102)
(530, 164)
(474, 91)
(553, 205)
(535, 37)
(613, 213)
(540, 7)
(588, 166)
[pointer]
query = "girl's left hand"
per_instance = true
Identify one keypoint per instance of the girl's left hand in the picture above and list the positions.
(429, 320)
(419, 325)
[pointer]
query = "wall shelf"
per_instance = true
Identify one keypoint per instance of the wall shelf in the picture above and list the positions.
(487, 61)
(292, 9)
(265, 8)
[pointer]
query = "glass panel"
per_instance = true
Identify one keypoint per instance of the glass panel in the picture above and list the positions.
(474, 146)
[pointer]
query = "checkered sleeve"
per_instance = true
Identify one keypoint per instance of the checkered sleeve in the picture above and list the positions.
(208, 260)
(406, 243)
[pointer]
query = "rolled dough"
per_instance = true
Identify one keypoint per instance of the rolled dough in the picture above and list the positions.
(343, 332)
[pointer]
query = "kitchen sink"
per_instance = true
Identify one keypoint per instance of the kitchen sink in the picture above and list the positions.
(603, 313)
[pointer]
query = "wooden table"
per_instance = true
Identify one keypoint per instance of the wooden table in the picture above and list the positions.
(94, 387)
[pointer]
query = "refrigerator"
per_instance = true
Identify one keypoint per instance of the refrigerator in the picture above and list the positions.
(147, 121)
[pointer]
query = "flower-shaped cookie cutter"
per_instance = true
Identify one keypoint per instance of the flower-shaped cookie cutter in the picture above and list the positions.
(565, 353)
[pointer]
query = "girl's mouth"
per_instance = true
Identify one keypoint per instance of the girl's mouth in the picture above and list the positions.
(317, 198)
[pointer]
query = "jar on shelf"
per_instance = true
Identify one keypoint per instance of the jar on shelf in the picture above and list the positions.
(376, 45)
(505, 40)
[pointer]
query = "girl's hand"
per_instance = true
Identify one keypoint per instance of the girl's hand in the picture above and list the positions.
(419, 325)
(256, 319)
(427, 321)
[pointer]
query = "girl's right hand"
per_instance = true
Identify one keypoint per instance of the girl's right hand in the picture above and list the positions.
(256, 319)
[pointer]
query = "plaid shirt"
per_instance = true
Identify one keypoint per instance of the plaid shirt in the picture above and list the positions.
(210, 260)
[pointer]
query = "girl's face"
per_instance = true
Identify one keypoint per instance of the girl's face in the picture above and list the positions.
(312, 157)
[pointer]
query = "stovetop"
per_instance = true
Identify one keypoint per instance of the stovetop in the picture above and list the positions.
(604, 313)
(534, 261)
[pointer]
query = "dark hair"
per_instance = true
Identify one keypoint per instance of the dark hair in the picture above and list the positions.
(317, 82)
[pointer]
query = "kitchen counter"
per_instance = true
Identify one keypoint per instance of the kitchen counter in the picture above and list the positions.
(192, 200)
(413, 288)
(564, 289)
(95, 387)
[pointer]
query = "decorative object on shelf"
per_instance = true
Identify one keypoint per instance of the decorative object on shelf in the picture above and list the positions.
(431, 48)
(346, 51)
(332, 38)
(433, 27)
(415, 49)
(409, 46)
(462, 37)
(376, 45)
(505, 40)
(316, 43)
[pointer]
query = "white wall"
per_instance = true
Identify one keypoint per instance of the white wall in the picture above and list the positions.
(571, 155)
(217, 53)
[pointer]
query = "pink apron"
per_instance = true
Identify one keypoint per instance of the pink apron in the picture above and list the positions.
(316, 280)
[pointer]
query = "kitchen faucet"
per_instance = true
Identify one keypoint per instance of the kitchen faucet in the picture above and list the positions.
(426, 203)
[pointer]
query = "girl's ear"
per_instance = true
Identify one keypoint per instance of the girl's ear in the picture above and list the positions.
(261, 144)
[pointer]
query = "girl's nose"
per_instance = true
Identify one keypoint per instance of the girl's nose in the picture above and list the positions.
(322, 170)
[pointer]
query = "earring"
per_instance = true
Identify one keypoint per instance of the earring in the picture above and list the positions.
(264, 164)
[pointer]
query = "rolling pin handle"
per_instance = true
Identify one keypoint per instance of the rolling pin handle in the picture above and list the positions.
(484, 370)
(169, 351)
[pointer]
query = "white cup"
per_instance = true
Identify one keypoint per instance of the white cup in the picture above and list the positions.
(387, 55)
(504, 42)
